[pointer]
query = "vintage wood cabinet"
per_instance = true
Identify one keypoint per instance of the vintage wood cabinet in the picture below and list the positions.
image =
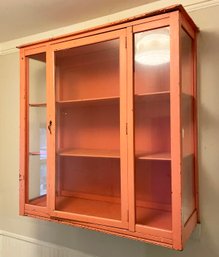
(108, 128)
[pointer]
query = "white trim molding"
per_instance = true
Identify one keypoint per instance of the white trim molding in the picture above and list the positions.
(12, 245)
(201, 5)
(190, 5)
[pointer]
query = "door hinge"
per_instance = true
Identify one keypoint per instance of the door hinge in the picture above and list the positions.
(126, 128)
(127, 216)
(125, 42)
(21, 177)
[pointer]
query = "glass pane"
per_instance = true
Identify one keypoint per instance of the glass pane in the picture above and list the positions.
(88, 126)
(37, 188)
(187, 102)
(37, 78)
(37, 128)
(152, 56)
(37, 180)
(153, 193)
(88, 72)
(152, 128)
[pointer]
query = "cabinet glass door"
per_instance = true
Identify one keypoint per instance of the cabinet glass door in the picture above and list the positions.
(88, 151)
(37, 149)
(152, 128)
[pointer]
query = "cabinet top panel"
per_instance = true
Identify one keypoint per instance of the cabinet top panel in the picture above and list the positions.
(114, 25)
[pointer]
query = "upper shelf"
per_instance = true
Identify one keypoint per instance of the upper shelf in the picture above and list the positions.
(90, 153)
(149, 97)
(38, 153)
(162, 156)
(111, 154)
(163, 95)
(89, 100)
(153, 96)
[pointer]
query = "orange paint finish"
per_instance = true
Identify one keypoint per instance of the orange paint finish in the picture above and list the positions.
(115, 149)
(130, 128)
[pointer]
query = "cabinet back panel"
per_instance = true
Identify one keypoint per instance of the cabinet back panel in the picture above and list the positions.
(153, 182)
(89, 186)
(97, 176)
(89, 127)
(188, 137)
(153, 193)
(152, 135)
(149, 79)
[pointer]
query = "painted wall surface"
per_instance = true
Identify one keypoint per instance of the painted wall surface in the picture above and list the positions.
(203, 243)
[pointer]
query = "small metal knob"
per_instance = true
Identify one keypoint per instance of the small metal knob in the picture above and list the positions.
(49, 127)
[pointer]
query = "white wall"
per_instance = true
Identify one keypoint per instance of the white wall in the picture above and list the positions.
(98, 244)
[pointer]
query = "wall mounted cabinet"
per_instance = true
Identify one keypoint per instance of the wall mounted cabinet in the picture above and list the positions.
(108, 128)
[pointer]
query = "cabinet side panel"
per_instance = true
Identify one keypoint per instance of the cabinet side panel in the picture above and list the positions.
(188, 138)
(37, 131)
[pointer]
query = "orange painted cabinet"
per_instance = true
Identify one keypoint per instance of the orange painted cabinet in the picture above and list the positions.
(108, 128)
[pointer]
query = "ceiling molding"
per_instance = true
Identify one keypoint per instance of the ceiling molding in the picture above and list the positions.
(190, 5)
(201, 5)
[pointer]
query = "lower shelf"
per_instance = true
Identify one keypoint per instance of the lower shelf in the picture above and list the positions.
(149, 217)
(39, 201)
(90, 207)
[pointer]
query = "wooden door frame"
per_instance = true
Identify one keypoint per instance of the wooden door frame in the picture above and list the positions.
(24, 206)
(117, 34)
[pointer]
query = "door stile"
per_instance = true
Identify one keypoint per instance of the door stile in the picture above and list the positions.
(123, 128)
(23, 133)
(176, 139)
(26, 85)
(130, 122)
(50, 135)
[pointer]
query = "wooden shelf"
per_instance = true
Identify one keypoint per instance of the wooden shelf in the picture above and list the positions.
(38, 153)
(112, 154)
(39, 201)
(161, 95)
(153, 97)
(155, 156)
(103, 209)
(90, 153)
(37, 105)
(89, 100)
(112, 210)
